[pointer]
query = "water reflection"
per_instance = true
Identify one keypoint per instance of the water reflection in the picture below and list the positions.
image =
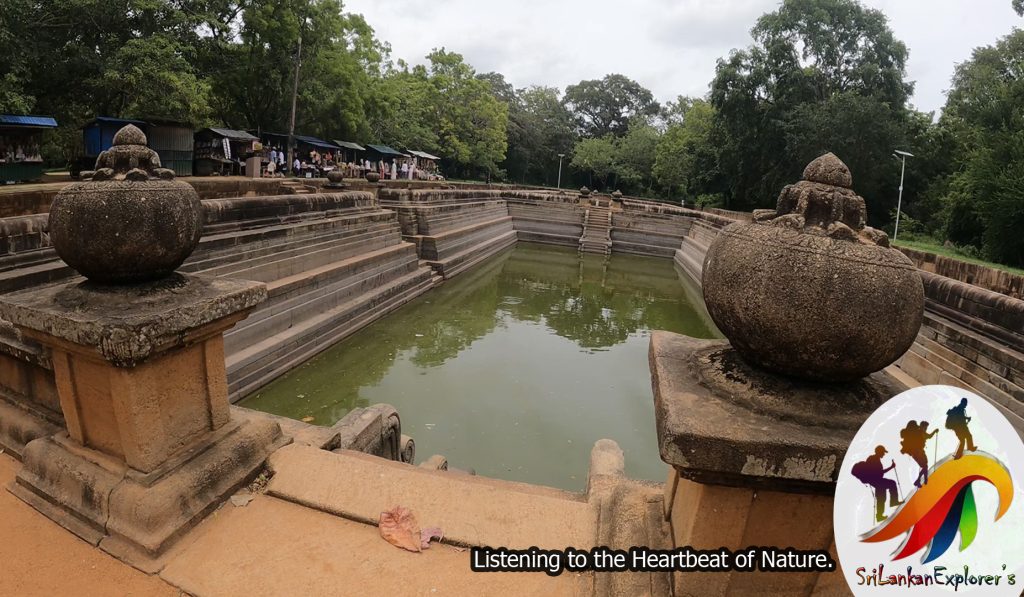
(514, 368)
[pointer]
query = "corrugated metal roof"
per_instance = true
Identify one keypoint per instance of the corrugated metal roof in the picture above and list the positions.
(33, 121)
(350, 145)
(423, 154)
(233, 134)
(109, 120)
(315, 142)
(385, 150)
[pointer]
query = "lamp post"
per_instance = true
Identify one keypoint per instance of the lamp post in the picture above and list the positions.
(900, 155)
(560, 156)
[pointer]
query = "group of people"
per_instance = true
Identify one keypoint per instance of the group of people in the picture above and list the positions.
(319, 163)
(913, 441)
(12, 150)
(391, 169)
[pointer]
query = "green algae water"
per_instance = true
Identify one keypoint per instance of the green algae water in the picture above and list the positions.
(515, 368)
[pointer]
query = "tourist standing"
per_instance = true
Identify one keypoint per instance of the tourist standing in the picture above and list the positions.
(296, 167)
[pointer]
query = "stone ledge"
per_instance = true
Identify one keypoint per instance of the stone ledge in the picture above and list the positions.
(128, 324)
(487, 512)
(754, 436)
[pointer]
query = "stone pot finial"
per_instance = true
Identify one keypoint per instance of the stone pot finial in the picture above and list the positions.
(829, 169)
(584, 192)
(617, 195)
(131, 222)
(808, 290)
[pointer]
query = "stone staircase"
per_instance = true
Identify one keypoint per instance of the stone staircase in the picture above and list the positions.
(597, 225)
(292, 186)
(326, 278)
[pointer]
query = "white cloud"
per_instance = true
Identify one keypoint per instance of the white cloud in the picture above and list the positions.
(669, 46)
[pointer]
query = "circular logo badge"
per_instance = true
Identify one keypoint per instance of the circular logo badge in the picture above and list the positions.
(930, 499)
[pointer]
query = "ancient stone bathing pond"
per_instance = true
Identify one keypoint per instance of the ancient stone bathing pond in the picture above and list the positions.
(513, 369)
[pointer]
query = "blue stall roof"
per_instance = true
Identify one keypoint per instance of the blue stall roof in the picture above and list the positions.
(315, 142)
(384, 149)
(28, 121)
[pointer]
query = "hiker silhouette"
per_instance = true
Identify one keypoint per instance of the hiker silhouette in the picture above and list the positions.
(913, 439)
(871, 472)
(957, 420)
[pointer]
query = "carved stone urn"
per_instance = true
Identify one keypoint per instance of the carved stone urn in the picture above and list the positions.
(131, 222)
(335, 177)
(807, 290)
(373, 176)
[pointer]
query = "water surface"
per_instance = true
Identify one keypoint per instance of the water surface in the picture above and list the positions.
(515, 368)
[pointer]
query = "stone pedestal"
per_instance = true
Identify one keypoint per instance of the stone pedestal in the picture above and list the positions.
(150, 445)
(754, 457)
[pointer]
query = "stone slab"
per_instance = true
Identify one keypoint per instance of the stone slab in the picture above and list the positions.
(128, 324)
(754, 429)
(272, 547)
(472, 510)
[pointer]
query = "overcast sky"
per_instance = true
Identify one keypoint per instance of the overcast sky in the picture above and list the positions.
(669, 46)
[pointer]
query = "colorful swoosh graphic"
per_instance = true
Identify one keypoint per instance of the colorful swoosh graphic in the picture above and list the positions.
(934, 513)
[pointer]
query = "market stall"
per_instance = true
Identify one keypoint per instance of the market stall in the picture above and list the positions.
(425, 165)
(224, 151)
(350, 158)
(20, 140)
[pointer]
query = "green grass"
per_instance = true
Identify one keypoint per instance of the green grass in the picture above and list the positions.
(940, 249)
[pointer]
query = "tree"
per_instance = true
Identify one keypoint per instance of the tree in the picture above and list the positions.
(596, 156)
(539, 128)
(635, 154)
(1018, 6)
(151, 78)
(470, 122)
(687, 155)
(824, 75)
(985, 202)
(606, 106)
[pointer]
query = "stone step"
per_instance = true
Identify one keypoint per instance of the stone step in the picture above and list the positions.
(259, 264)
(295, 261)
(476, 253)
(929, 368)
(258, 364)
(298, 297)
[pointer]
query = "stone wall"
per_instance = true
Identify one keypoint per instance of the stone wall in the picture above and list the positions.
(972, 273)
(332, 262)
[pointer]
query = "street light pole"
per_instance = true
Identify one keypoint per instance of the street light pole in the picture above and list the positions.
(560, 156)
(902, 155)
(295, 97)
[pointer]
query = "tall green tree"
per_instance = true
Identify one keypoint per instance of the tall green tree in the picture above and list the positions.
(607, 106)
(823, 75)
(687, 154)
(596, 157)
(635, 155)
(985, 114)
